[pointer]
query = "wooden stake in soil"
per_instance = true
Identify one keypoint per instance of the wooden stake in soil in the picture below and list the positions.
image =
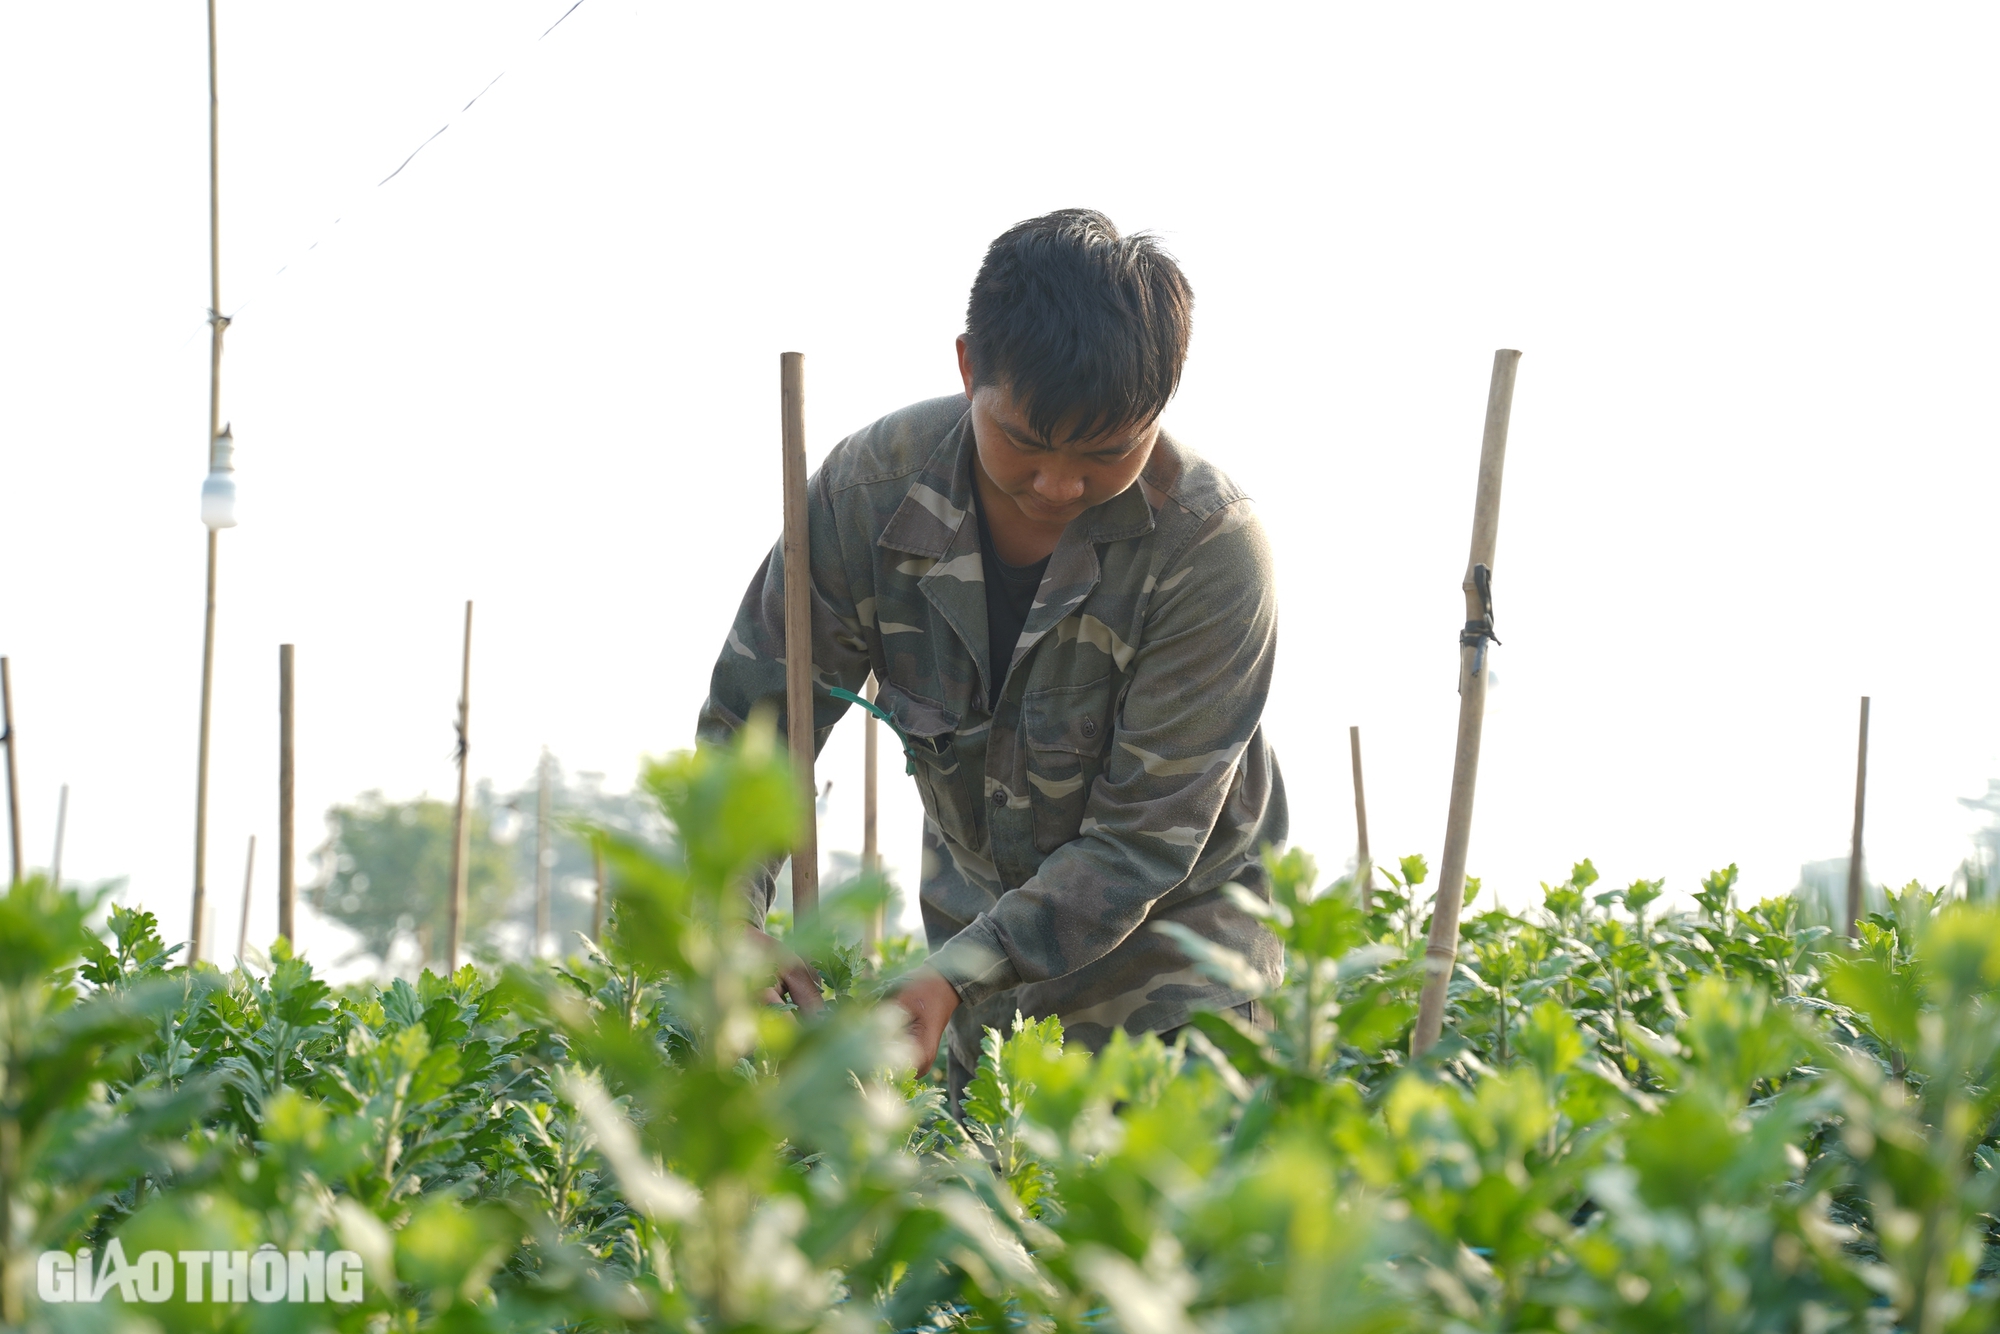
(13, 774)
(871, 855)
(218, 454)
(1860, 805)
(243, 922)
(798, 633)
(461, 833)
(62, 822)
(1441, 952)
(287, 890)
(1364, 868)
(597, 909)
(199, 935)
(541, 857)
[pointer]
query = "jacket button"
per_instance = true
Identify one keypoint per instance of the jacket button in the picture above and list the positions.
(1090, 727)
(999, 797)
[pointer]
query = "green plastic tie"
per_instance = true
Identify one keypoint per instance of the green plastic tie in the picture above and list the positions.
(909, 756)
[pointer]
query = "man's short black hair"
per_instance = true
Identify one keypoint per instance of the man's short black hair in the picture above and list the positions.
(1086, 327)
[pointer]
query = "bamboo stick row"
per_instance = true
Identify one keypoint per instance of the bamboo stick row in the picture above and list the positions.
(1441, 947)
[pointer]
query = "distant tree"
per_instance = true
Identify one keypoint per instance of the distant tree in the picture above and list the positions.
(385, 872)
(1981, 871)
(385, 868)
(573, 798)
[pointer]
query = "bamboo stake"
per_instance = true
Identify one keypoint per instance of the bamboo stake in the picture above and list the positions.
(871, 853)
(798, 634)
(1441, 951)
(62, 821)
(287, 889)
(217, 322)
(13, 775)
(201, 765)
(460, 832)
(243, 923)
(1364, 867)
(541, 857)
(1860, 806)
(597, 909)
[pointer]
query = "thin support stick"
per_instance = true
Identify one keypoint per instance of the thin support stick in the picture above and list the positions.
(217, 322)
(13, 774)
(461, 833)
(62, 823)
(1441, 951)
(201, 765)
(1364, 867)
(243, 923)
(799, 708)
(597, 909)
(871, 854)
(1860, 807)
(214, 230)
(287, 890)
(541, 858)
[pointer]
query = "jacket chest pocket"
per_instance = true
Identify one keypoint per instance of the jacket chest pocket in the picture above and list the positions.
(1066, 729)
(927, 729)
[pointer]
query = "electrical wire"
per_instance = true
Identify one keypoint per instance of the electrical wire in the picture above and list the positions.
(300, 255)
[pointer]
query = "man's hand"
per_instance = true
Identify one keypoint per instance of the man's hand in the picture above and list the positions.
(795, 976)
(928, 1000)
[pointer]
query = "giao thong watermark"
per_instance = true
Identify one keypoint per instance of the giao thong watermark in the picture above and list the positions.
(266, 1274)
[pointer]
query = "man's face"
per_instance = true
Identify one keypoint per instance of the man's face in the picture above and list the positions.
(1050, 482)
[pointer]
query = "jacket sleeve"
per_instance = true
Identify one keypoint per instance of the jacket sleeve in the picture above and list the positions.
(1194, 704)
(751, 667)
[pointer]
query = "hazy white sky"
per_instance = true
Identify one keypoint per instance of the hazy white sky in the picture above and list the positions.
(1747, 252)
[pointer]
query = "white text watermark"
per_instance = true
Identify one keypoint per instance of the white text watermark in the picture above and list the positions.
(263, 1275)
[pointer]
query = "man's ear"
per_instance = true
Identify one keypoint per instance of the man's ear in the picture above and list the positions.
(965, 366)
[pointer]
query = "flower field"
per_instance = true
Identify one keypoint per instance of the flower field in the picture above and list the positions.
(1712, 1119)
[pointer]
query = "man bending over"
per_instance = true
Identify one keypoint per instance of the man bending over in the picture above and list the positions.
(1072, 619)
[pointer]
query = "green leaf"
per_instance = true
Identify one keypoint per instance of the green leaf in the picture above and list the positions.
(1549, 1038)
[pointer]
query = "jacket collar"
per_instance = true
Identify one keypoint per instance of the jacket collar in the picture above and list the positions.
(939, 500)
(936, 521)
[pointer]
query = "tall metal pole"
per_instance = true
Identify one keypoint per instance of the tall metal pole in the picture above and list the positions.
(287, 890)
(1860, 807)
(541, 858)
(217, 322)
(460, 833)
(1364, 866)
(1441, 951)
(13, 774)
(798, 633)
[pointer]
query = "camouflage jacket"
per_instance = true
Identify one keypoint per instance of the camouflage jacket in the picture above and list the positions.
(1119, 775)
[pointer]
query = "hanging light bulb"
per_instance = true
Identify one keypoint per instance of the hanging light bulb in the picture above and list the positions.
(218, 491)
